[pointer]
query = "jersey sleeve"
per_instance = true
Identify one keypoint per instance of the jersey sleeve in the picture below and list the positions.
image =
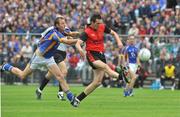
(57, 37)
(47, 31)
(107, 29)
(83, 36)
(66, 31)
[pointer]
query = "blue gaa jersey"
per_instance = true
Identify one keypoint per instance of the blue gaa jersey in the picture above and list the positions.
(49, 42)
(132, 53)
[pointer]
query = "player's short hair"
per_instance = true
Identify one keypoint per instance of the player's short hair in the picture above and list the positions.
(94, 17)
(131, 37)
(59, 17)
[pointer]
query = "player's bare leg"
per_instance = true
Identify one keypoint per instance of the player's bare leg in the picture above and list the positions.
(16, 71)
(99, 73)
(128, 91)
(54, 69)
(44, 82)
(48, 76)
(109, 71)
(63, 68)
(133, 79)
(106, 68)
(98, 76)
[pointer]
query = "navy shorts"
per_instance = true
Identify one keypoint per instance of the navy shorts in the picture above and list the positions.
(59, 56)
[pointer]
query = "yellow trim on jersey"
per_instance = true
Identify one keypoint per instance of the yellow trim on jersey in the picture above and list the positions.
(60, 39)
(50, 46)
(51, 36)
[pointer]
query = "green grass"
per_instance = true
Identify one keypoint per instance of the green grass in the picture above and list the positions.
(19, 101)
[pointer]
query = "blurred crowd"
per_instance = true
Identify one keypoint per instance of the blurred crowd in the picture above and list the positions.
(126, 17)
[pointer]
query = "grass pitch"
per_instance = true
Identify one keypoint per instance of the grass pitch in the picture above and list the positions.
(20, 101)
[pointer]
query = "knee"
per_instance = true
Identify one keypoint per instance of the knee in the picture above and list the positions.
(22, 75)
(64, 73)
(106, 66)
(47, 76)
(60, 77)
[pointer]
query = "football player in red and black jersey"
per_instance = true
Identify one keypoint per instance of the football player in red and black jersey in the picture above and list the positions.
(93, 36)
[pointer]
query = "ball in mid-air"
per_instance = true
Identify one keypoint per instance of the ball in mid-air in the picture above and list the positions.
(144, 54)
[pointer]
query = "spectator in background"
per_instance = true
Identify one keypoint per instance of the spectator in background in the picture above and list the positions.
(155, 8)
(154, 23)
(146, 9)
(177, 30)
(27, 51)
(168, 73)
(155, 53)
(73, 61)
(125, 20)
(162, 4)
(33, 16)
(117, 24)
(14, 43)
(171, 3)
(133, 30)
(142, 31)
(177, 10)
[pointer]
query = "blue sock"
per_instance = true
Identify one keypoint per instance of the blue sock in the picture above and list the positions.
(7, 67)
(126, 93)
(69, 95)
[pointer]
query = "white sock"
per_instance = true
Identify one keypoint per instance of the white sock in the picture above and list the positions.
(39, 90)
(61, 93)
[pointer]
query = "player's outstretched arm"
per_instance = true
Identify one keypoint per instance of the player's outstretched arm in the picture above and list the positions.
(118, 40)
(73, 34)
(69, 41)
(79, 48)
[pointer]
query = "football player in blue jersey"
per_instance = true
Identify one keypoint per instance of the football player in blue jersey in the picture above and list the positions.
(43, 56)
(132, 65)
(59, 57)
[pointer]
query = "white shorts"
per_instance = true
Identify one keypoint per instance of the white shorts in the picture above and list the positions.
(133, 67)
(39, 62)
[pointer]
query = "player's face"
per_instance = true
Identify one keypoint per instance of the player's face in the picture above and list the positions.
(131, 40)
(96, 23)
(61, 25)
